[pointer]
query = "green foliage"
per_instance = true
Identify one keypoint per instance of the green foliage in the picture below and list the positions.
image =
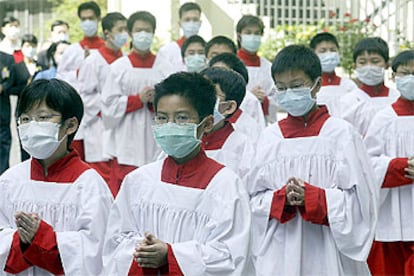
(347, 30)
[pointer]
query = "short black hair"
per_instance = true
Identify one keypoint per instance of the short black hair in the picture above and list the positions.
(402, 58)
(297, 57)
(231, 83)
(221, 40)
(32, 39)
(9, 19)
(90, 5)
(323, 37)
(109, 20)
(142, 16)
(58, 23)
(372, 45)
(190, 40)
(189, 6)
(233, 62)
(196, 89)
(50, 52)
(57, 94)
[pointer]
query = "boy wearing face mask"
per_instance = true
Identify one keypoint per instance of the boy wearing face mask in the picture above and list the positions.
(248, 118)
(224, 143)
(89, 14)
(333, 87)
(371, 57)
(11, 42)
(92, 76)
(185, 214)
(250, 31)
(54, 55)
(389, 141)
(126, 100)
(190, 23)
(312, 189)
(53, 207)
(193, 54)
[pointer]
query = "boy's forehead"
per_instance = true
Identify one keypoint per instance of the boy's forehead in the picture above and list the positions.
(174, 103)
(38, 106)
(290, 76)
(370, 54)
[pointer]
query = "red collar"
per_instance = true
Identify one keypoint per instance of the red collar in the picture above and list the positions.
(248, 58)
(65, 170)
(18, 56)
(293, 127)
(403, 107)
(94, 42)
(375, 91)
(236, 115)
(216, 139)
(181, 41)
(146, 61)
(109, 55)
(196, 173)
(330, 79)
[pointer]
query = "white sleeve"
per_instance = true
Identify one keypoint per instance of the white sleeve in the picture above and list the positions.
(81, 250)
(67, 69)
(88, 90)
(114, 102)
(356, 111)
(6, 230)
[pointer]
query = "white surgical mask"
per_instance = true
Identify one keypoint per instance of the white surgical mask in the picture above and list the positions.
(120, 39)
(329, 61)
(29, 52)
(218, 117)
(40, 139)
(142, 40)
(195, 63)
(12, 33)
(190, 28)
(251, 42)
(296, 101)
(89, 27)
(370, 74)
(405, 85)
(61, 37)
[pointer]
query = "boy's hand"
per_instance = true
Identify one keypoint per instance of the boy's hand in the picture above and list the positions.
(151, 252)
(259, 93)
(27, 226)
(295, 192)
(147, 94)
(409, 171)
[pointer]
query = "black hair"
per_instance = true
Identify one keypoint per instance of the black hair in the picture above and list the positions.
(90, 5)
(402, 58)
(9, 19)
(50, 52)
(248, 20)
(190, 40)
(189, 6)
(58, 23)
(323, 37)
(297, 57)
(32, 39)
(233, 62)
(57, 95)
(372, 45)
(196, 89)
(221, 40)
(142, 16)
(109, 20)
(231, 83)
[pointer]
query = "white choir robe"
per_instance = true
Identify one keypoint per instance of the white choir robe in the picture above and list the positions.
(336, 161)
(171, 53)
(252, 106)
(92, 76)
(330, 95)
(209, 230)
(262, 75)
(388, 137)
(244, 123)
(72, 59)
(131, 139)
(359, 108)
(77, 212)
(236, 153)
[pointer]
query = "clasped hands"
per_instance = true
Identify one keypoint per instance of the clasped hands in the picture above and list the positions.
(27, 226)
(295, 192)
(151, 252)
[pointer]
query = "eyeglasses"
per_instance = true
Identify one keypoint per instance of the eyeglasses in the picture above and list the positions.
(178, 118)
(24, 119)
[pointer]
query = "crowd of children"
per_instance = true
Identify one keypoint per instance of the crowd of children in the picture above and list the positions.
(174, 163)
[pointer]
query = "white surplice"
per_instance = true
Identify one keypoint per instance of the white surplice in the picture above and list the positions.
(171, 53)
(251, 105)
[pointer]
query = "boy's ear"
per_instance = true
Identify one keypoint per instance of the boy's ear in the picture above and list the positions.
(393, 76)
(208, 124)
(230, 107)
(72, 125)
